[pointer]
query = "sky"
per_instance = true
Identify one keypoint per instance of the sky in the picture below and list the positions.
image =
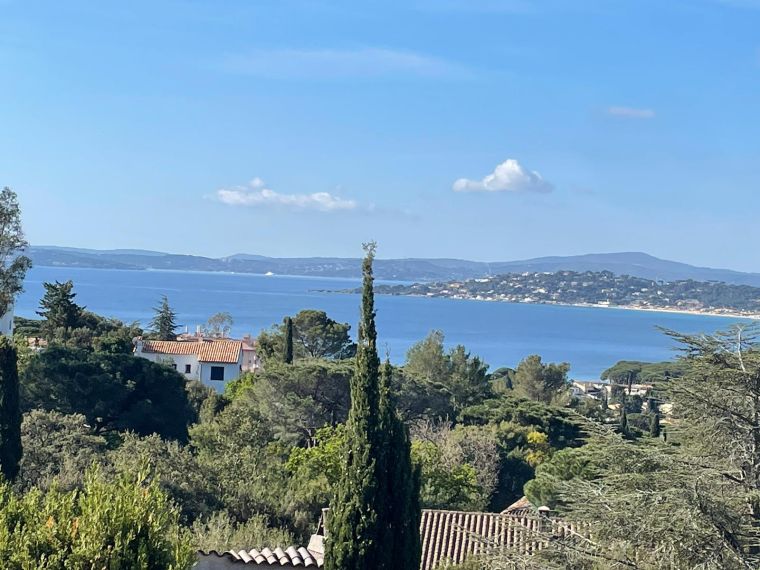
(477, 129)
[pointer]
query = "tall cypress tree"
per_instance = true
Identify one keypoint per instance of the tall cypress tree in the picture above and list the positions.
(354, 541)
(400, 485)
(374, 520)
(623, 419)
(10, 411)
(654, 424)
(288, 354)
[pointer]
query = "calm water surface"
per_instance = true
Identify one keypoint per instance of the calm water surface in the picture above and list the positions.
(589, 339)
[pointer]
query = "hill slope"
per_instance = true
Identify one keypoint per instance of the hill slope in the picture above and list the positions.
(412, 269)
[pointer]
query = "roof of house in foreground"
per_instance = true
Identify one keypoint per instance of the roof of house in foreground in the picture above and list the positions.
(291, 557)
(446, 536)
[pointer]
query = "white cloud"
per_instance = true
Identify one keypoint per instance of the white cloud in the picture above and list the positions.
(509, 176)
(630, 112)
(331, 63)
(257, 194)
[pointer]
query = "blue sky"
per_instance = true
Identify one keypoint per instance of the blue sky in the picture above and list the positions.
(480, 129)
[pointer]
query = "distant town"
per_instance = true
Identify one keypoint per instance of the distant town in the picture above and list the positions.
(598, 289)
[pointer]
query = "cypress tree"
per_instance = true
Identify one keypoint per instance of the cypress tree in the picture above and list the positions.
(374, 521)
(654, 424)
(288, 355)
(623, 419)
(400, 485)
(10, 411)
(354, 539)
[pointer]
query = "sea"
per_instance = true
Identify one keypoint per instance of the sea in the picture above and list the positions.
(590, 339)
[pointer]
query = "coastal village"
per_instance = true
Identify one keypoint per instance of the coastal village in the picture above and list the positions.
(596, 289)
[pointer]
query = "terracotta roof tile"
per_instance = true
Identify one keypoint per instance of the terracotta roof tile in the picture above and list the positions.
(225, 351)
(452, 536)
(291, 557)
(171, 347)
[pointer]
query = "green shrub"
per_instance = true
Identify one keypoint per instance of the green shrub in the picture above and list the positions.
(126, 525)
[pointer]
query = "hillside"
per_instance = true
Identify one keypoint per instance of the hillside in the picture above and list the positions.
(412, 269)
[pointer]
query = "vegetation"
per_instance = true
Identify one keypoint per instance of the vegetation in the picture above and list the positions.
(10, 411)
(219, 325)
(375, 513)
(60, 312)
(114, 392)
(13, 263)
(126, 524)
(288, 351)
(546, 383)
(255, 467)
(164, 323)
(314, 335)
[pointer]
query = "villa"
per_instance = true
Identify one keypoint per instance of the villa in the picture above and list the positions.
(214, 362)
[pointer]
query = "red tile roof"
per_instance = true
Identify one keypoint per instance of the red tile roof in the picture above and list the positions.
(171, 347)
(223, 351)
(227, 351)
(451, 536)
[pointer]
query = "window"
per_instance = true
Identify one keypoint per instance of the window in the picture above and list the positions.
(217, 373)
(188, 368)
(174, 365)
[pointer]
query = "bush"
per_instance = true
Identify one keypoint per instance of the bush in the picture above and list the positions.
(125, 525)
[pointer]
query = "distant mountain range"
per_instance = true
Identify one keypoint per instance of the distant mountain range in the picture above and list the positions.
(413, 269)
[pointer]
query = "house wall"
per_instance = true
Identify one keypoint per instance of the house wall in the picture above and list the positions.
(251, 361)
(6, 322)
(231, 372)
(179, 359)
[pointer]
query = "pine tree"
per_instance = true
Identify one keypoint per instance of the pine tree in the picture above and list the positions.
(59, 309)
(354, 541)
(10, 411)
(164, 323)
(288, 356)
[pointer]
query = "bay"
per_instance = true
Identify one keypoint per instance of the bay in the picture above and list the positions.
(590, 339)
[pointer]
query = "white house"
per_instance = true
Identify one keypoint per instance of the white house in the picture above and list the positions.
(6, 322)
(251, 360)
(213, 362)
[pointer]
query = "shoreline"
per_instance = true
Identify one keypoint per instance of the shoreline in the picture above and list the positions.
(673, 310)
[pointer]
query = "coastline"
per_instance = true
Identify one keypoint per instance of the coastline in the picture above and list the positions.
(673, 310)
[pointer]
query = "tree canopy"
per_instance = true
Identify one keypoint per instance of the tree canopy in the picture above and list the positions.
(163, 326)
(540, 381)
(13, 263)
(58, 308)
(113, 391)
(314, 334)
(10, 411)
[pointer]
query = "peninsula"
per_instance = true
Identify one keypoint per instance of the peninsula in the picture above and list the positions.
(597, 289)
